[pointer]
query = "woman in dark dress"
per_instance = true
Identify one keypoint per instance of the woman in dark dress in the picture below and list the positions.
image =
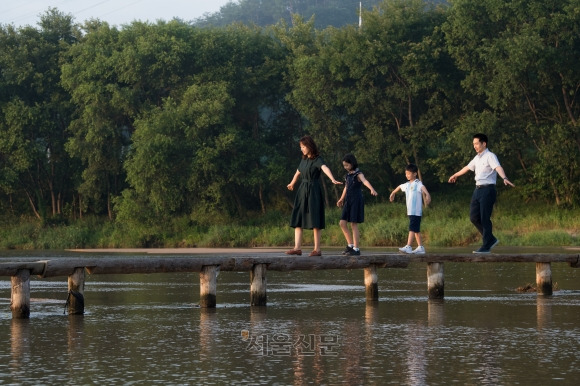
(308, 212)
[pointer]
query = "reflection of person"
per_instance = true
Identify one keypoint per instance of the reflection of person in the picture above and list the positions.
(414, 191)
(308, 212)
(352, 202)
(486, 167)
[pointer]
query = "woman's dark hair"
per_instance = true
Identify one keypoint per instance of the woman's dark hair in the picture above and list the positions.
(412, 168)
(350, 159)
(311, 145)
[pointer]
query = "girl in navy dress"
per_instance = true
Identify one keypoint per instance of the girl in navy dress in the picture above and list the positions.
(352, 202)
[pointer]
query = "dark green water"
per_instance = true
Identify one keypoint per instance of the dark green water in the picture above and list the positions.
(316, 329)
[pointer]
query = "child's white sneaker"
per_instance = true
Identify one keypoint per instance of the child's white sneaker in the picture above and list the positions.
(406, 249)
(420, 250)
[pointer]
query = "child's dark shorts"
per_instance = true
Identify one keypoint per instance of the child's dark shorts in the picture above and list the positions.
(415, 224)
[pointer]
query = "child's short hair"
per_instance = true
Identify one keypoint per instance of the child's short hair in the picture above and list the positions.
(412, 168)
(351, 159)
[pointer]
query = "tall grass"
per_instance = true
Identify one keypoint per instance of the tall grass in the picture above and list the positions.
(33, 234)
(445, 223)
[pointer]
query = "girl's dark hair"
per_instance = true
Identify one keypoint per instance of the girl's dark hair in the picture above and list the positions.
(412, 168)
(351, 159)
(311, 145)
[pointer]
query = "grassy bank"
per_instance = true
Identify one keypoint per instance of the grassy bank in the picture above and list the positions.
(445, 224)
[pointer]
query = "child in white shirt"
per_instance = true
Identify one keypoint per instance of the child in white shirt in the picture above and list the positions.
(414, 191)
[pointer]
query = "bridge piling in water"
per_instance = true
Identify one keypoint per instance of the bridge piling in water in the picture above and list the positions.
(257, 264)
(20, 297)
(544, 279)
(208, 286)
(258, 295)
(76, 290)
(435, 280)
(371, 282)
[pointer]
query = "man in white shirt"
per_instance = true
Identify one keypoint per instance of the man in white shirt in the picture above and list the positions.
(486, 167)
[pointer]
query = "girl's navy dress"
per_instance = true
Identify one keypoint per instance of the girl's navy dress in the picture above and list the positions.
(354, 208)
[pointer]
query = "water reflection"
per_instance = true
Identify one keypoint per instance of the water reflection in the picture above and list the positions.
(436, 312)
(317, 329)
(544, 311)
(353, 352)
(19, 344)
(415, 356)
(207, 326)
(76, 344)
(371, 312)
(258, 314)
(75, 334)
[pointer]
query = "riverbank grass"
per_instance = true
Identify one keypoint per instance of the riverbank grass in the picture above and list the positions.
(445, 224)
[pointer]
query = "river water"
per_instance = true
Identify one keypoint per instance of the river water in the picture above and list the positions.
(317, 329)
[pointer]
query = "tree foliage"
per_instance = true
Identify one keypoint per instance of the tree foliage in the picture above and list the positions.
(380, 91)
(149, 122)
(35, 112)
(519, 59)
(192, 103)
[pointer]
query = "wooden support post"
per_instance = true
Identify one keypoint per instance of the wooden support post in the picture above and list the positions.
(76, 290)
(435, 280)
(544, 278)
(371, 283)
(258, 295)
(20, 297)
(208, 286)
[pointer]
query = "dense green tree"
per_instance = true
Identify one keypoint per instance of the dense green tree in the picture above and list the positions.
(169, 120)
(175, 158)
(205, 148)
(380, 91)
(114, 77)
(34, 114)
(101, 125)
(520, 60)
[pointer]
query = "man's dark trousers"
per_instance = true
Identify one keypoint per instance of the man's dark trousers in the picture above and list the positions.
(480, 210)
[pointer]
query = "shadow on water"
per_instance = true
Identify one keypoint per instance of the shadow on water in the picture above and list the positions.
(317, 328)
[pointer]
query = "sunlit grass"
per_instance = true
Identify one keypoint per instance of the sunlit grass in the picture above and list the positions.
(445, 223)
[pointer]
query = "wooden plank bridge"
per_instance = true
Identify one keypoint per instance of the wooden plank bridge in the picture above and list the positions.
(257, 264)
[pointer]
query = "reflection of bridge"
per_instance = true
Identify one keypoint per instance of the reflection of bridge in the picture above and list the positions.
(257, 263)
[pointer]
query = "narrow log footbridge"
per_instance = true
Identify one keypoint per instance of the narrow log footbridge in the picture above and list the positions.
(257, 264)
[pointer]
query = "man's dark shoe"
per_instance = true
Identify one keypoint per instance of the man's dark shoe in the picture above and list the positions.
(494, 244)
(353, 252)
